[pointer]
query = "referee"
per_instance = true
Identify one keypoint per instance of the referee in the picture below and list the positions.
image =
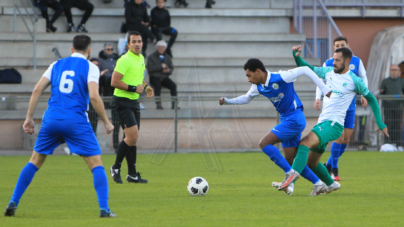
(128, 81)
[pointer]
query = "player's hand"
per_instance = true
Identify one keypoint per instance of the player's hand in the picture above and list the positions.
(109, 127)
(317, 104)
(150, 92)
(103, 72)
(384, 131)
(364, 102)
(297, 48)
(221, 101)
(29, 126)
(139, 89)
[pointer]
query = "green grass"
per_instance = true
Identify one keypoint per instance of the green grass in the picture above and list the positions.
(62, 193)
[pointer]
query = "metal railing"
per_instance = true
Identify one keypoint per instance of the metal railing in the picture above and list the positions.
(312, 18)
(33, 18)
(200, 125)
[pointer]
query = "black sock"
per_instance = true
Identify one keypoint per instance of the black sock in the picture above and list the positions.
(120, 154)
(131, 158)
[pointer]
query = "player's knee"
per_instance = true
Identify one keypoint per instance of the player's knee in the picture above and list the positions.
(311, 164)
(263, 143)
(174, 33)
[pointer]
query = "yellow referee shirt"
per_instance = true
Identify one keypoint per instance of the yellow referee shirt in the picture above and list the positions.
(132, 68)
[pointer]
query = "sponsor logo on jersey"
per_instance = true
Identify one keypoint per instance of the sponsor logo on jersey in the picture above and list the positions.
(277, 98)
(340, 94)
(344, 84)
(275, 86)
(351, 66)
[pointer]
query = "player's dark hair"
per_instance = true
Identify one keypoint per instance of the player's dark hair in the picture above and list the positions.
(94, 59)
(346, 52)
(133, 33)
(253, 64)
(81, 42)
(341, 38)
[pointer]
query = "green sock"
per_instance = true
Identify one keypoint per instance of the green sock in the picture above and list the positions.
(301, 158)
(323, 174)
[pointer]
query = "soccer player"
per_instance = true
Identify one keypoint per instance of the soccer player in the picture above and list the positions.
(74, 83)
(128, 80)
(338, 146)
(344, 85)
(278, 88)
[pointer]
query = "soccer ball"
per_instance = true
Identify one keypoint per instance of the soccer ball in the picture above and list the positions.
(198, 186)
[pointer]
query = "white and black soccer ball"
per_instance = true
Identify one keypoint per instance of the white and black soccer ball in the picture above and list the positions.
(198, 186)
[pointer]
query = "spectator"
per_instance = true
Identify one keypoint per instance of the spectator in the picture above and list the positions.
(80, 4)
(92, 114)
(179, 3)
(393, 109)
(160, 67)
(209, 3)
(107, 61)
(160, 23)
(43, 6)
(138, 20)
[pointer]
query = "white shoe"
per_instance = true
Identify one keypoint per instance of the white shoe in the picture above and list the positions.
(67, 151)
(333, 187)
(288, 190)
(289, 179)
(318, 189)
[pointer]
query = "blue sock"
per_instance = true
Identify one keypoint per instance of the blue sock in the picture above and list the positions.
(101, 186)
(309, 175)
(25, 178)
(333, 160)
(276, 156)
(342, 149)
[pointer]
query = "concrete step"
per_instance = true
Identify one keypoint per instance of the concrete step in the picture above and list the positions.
(7, 24)
(224, 20)
(187, 45)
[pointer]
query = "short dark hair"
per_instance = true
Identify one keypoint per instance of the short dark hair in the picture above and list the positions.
(341, 38)
(81, 42)
(346, 52)
(133, 33)
(94, 59)
(253, 64)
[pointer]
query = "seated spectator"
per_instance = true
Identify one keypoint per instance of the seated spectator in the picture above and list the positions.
(160, 67)
(138, 20)
(43, 6)
(209, 3)
(161, 22)
(80, 4)
(107, 61)
(393, 109)
(179, 3)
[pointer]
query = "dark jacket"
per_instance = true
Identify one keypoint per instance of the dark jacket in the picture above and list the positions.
(107, 62)
(160, 17)
(154, 65)
(134, 13)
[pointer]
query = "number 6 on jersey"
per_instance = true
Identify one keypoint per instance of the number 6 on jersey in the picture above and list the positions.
(65, 81)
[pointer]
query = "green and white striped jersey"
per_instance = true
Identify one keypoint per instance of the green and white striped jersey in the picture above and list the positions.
(344, 88)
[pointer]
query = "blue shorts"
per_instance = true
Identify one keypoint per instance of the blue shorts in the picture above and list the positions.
(289, 131)
(350, 115)
(79, 137)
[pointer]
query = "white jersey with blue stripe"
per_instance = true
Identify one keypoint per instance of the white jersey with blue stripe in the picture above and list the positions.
(69, 78)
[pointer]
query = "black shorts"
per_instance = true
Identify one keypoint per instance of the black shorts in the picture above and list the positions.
(128, 111)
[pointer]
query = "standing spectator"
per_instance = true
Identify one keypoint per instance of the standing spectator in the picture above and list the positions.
(161, 22)
(43, 6)
(160, 67)
(393, 109)
(80, 4)
(138, 20)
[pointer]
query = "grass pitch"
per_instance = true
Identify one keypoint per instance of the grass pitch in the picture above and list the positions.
(240, 193)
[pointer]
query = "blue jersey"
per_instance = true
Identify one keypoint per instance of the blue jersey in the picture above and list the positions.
(69, 90)
(281, 93)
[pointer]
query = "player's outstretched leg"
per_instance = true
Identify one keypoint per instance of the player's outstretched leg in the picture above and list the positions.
(24, 180)
(319, 186)
(275, 155)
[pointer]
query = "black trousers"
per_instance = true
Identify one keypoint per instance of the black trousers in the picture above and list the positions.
(393, 113)
(172, 32)
(43, 6)
(80, 4)
(144, 32)
(167, 83)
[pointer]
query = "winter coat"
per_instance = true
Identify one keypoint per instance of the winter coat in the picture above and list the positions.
(107, 62)
(134, 13)
(154, 65)
(160, 17)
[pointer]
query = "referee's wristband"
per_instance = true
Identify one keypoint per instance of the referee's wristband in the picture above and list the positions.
(146, 86)
(131, 88)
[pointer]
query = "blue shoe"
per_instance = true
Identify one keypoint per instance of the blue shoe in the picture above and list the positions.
(107, 214)
(10, 210)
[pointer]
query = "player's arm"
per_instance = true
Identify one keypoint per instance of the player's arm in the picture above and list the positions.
(42, 84)
(98, 105)
(361, 88)
(244, 99)
(291, 75)
(149, 90)
(299, 61)
(116, 82)
(362, 75)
